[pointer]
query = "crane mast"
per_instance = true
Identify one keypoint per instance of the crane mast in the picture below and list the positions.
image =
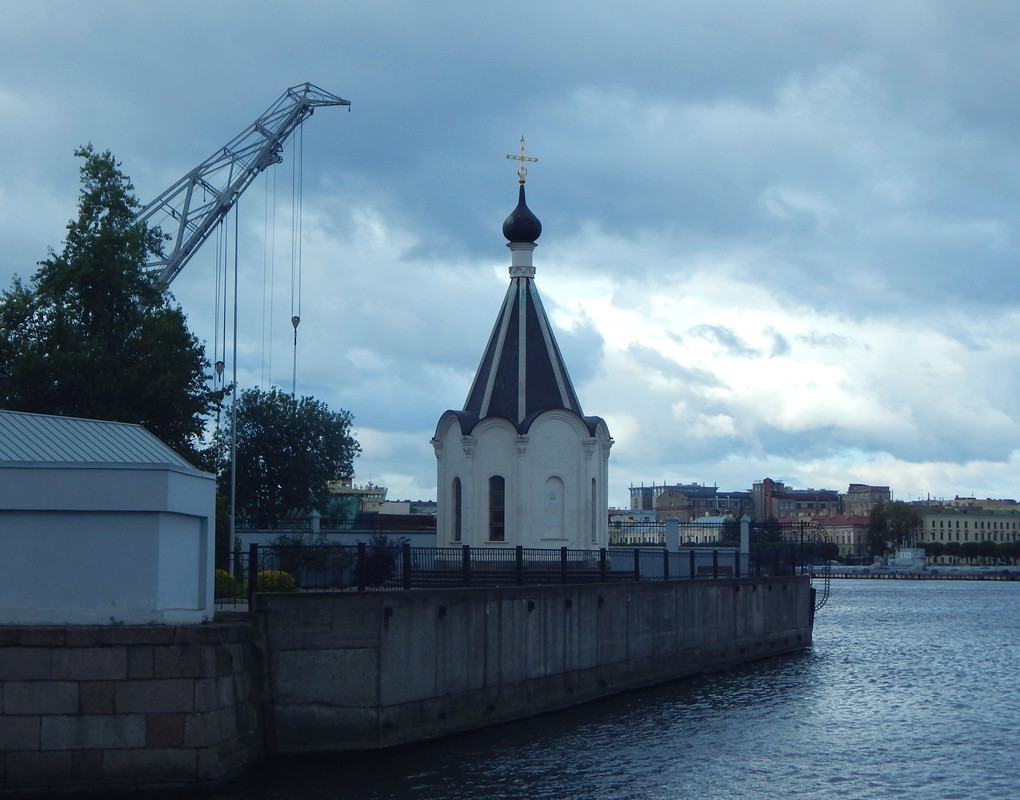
(200, 200)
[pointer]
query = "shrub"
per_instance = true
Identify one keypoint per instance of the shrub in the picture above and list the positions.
(275, 580)
(226, 585)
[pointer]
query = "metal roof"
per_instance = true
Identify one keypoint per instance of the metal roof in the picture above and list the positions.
(522, 372)
(40, 439)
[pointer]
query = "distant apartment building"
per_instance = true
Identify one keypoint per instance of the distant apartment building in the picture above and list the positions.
(861, 498)
(849, 532)
(688, 501)
(642, 498)
(965, 519)
(369, 497)
(774, 500)
(768, 499)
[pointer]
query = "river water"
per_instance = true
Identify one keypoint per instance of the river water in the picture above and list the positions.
(909, 690)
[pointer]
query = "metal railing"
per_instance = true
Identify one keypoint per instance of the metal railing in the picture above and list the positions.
(398, 566)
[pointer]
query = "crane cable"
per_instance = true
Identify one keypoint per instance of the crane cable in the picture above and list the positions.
(233, 399)
(268, 278)
(220, 315)
(297, 199)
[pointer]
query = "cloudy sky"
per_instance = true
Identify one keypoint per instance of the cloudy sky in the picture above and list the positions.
(780, 238)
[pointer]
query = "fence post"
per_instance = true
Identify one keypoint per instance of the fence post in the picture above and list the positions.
(602, 564)
(690, 556)
(737, 555)
(465, 562)
(253, 571)
(637, 564)
(672, 533)
(406, 551)
(715, 564)
(745, 534)
(665, 559)
(563, 565)
(361, 568)
(519, 564)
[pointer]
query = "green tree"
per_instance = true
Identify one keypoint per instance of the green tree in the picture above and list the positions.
(893, 524)
(1008, 551)
(986, 551)
(93, 335)
(287, 451)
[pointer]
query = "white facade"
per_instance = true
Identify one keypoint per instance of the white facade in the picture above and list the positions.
(86, 541)
(555, 482)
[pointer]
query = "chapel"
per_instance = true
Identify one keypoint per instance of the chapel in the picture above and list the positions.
(520, 463)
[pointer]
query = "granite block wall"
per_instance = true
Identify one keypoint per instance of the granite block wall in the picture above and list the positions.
(89, 708)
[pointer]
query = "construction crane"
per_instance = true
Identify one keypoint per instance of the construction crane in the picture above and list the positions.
(200, 200)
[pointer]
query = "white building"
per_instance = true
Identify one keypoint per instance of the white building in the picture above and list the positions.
(521, 464)
(100, 522)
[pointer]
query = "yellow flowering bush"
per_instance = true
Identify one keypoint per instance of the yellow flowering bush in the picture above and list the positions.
(226, 585)
(275, 580)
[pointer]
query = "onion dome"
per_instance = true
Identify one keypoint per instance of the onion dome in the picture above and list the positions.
(522, 225)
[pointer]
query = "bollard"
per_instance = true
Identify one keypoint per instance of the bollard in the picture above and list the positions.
(361, 568)
(406, 553)
(253, 571)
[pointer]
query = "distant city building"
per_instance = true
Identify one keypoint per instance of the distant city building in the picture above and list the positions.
(861, 498)
(369, 497)
(426, 507)
(968, 520)
(774, 500)
(849, 532)
(688, 501)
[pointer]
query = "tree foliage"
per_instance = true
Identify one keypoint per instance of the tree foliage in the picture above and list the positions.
(893, 524)
(287, 450)
(93, 335)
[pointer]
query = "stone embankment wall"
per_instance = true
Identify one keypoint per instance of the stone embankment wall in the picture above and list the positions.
(362, 671)
(116, 708)
(119, 707)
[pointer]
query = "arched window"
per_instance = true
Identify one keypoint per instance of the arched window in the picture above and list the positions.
(497, 509)
(553, 501)
(457, 509)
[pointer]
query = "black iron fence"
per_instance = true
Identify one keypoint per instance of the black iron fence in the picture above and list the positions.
(382, 566)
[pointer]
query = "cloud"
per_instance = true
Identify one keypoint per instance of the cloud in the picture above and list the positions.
(778, 239)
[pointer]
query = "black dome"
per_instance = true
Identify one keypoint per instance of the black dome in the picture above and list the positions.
(522, 225)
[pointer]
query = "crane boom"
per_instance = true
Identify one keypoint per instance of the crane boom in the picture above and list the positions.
(200, 200)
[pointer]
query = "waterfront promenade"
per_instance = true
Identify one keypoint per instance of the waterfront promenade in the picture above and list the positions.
(930, 574)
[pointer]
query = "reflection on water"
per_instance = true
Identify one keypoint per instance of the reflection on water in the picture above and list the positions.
(908, 691)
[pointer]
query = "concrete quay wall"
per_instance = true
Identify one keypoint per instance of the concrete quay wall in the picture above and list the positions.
(364, 671)
(113, 708)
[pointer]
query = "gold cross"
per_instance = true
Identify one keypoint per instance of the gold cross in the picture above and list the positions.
(521, 171)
